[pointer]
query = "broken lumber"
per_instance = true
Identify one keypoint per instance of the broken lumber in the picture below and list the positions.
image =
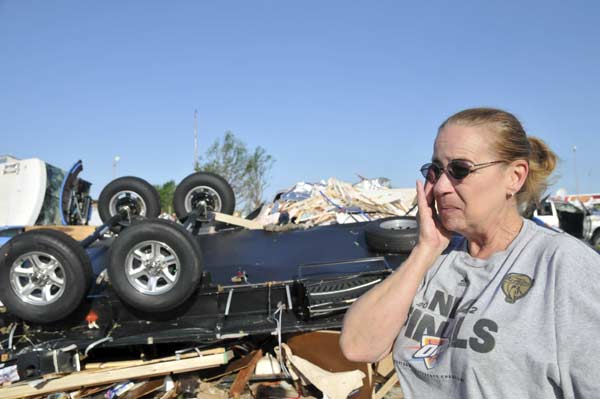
(140, 362)
(144, 388)
(385, 388)
(237, 221)
(76, 232)
(337, 385)
(244, 375)
(385, 366)
(84, 379)
(322, 348)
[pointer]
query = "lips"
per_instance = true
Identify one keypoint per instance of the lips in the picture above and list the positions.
(445, 210)
(447, 207)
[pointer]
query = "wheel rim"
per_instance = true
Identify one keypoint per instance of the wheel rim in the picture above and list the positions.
(203, 198)
(152, 267)
(38, 278)
(398, 224)
(127, 199)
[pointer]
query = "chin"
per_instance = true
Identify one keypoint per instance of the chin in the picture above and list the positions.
(453, 224)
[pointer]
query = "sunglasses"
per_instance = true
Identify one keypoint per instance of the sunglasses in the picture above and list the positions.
(457, 169)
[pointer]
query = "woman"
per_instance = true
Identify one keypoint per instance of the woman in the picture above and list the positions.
(488, 304)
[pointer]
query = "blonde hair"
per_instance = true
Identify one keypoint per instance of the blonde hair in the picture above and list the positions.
(510, 144)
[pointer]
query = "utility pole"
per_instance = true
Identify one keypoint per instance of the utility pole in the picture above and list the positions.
(195, 140)
(575, 169)
(116, 160)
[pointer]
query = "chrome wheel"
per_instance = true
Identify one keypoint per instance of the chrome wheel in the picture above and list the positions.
(203, 198)
(399, 224)
(152, 267)
(596, 242)
(127, 199)
(37, 278)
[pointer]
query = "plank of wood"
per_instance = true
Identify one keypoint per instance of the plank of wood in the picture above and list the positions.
(76, 380)
(77, 232)
(170, 395)
(385, 388)
(89, 391)
(144, 388)
(385, 365)
(140, 362)
(233, 367)
(244, 375)
(237, 221)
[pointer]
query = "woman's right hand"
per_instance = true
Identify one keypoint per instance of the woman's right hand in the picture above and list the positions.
(432, 234)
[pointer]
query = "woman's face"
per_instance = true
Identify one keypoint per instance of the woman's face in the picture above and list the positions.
(476, 202)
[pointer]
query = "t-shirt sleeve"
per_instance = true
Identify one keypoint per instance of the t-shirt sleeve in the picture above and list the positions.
(577, 312)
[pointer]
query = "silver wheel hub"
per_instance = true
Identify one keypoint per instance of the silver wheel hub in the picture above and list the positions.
(399, 224)
(127, 199)
(203, 198)
(152, 267)
(37, 278)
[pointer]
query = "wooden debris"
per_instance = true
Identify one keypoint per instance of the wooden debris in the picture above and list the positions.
(171, 394)
(140, 362)
(386, 387)
(89, 391)
(385, 366)
(244, 375)
(209, 391)
(339, 197)
(77, 232)
(144, 388)
(322, 348)
(237, 221)
(333, 385)
(233, 367)
(91, 378)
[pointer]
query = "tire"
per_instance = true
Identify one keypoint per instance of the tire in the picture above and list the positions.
(203, 187)
(54, 266)
(392, 235)
(596, 240)
(139, 195)
(131, 273)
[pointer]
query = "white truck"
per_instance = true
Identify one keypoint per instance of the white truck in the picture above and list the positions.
(571, 214)
(34, 192)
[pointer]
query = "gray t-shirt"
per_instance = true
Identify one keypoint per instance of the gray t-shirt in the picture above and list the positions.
(522, 324)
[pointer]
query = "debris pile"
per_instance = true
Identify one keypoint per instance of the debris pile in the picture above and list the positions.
(337, 202)
(308, 365)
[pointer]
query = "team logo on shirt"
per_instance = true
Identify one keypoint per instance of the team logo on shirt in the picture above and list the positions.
(515, 286)
(431, 348)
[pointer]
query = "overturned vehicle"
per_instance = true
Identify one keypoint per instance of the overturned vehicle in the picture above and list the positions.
(208, 276)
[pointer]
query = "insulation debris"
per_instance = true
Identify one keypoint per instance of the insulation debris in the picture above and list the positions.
(337, 202)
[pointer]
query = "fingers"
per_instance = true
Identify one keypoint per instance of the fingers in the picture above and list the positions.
(429, 193)
(425, 195)
(421, 196)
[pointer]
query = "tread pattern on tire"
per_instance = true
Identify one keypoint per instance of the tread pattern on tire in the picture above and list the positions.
(73, 258)
(128, 183)
(391, 241)
(216, 182)
(180, 241)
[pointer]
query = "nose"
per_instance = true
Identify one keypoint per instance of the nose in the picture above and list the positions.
(443, 185)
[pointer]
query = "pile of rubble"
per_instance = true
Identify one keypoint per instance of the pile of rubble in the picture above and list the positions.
(336, 201)
(308, 365)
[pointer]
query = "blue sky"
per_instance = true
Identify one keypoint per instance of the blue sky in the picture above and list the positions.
(328, 88)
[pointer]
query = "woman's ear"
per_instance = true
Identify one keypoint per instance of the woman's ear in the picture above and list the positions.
(518, 171)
